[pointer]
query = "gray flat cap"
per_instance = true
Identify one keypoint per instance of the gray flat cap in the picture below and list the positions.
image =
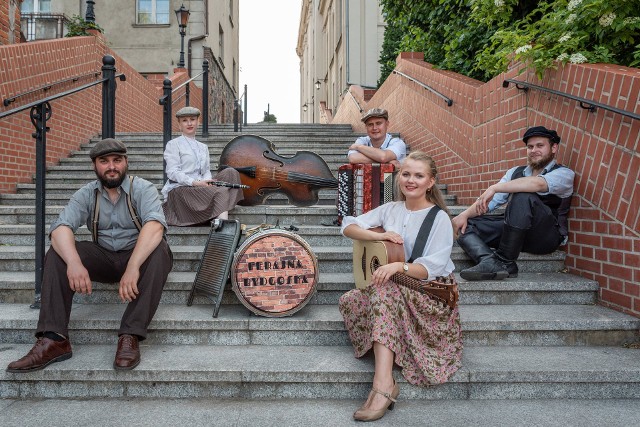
(107, 146)
(376, 112)
(188, 112)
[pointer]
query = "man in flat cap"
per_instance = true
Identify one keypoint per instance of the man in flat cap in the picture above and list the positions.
(535, 220)
(378, 146)
(127, 227)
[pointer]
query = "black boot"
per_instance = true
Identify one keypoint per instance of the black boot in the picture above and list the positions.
(488, 266)
(511, 243)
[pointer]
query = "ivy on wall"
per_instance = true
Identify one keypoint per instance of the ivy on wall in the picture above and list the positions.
(479, 38)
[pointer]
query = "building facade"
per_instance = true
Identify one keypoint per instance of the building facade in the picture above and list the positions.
(145, 33)
(339, 44)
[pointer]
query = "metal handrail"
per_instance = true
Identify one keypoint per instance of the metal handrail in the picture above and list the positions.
(45, 88)
(448, 100)
(59, 95)
(587, 104)
(353, 98)
(187, 82)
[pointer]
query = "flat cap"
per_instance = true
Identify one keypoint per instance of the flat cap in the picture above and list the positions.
(541, 131)
(375, 112)
(107, 146)
(188, 112)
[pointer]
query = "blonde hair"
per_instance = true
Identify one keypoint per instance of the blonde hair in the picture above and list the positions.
(434, 195)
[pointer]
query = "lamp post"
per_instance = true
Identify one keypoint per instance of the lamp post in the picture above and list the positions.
(182, 15)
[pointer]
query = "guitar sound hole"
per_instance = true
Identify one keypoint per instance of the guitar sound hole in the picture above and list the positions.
(375, 263)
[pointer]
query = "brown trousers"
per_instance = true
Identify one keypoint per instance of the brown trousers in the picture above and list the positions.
(105, 266)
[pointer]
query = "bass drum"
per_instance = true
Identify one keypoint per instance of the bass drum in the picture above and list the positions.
(274, 273)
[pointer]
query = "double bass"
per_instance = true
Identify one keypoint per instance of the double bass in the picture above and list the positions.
(299, 177)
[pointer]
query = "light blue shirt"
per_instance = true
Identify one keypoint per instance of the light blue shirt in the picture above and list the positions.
(187, 161)
(559, 183)
(116, 229)
(396, 145)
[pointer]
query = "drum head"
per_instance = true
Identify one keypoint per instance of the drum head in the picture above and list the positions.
(274, 273)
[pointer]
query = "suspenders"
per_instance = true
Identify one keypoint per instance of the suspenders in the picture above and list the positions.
(96, 212)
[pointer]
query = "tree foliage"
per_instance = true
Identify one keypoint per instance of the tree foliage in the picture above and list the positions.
(479, 38)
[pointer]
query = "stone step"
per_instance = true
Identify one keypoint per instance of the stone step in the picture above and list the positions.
(175, 324)
(281, 372)
(331, 259)
(527, 289)
(26, 411)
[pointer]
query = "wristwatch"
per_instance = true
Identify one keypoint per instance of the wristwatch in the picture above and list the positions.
(405, 267)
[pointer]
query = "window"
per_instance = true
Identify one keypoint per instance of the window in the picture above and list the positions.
(151, 12)
(35, 6)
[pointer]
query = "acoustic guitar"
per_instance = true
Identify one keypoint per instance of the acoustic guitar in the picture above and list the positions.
(370, 254)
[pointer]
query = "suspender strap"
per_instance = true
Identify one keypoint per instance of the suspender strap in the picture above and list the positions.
(96, 212)
(423, 234)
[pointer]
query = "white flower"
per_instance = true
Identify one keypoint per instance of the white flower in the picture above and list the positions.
(607, 19)
(498, 3)
(565, 37)
(572, 17)
(577, 58)
(631, 20)
(573, 4)
(523, 49)
(562, 57)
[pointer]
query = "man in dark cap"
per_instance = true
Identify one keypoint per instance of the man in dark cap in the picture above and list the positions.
(535, 219)
(127, 225)
(378, 146)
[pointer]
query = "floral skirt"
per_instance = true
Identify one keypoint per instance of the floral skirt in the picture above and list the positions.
(425, 337)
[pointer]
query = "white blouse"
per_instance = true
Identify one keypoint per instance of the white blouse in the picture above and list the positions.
(187, 161)
(394, 216)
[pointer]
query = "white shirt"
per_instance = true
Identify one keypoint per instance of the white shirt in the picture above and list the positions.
(395, 145)
(394, 216)
(187, 161)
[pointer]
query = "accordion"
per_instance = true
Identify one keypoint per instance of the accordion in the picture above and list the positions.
(363, 187)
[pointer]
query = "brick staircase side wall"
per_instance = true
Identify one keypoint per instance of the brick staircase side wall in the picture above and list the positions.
(75, 118)
(479, 137)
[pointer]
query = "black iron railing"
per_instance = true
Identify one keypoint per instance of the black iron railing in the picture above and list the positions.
(237, 123)
(587, 104)
(7, 101)
(446, 99)
(166, 100)
(41, 111)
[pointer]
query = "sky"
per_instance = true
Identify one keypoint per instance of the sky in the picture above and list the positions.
(269, 65)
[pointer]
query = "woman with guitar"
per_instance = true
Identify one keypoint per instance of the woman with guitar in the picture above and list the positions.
(191, 196)
(401, 324)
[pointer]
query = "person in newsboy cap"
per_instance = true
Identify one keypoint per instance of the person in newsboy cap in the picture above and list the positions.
(378, 146)
(538, 196)
(127, 226)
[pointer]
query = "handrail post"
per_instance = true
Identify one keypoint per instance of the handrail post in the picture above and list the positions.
(205, 98)
(109, 97)
(235, 115)
(165, 101)
(187, 93)
(244, 113)
(39, 116)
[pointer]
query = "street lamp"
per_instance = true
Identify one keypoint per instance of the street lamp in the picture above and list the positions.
(317, 83)
(305, 107)
(182, 15)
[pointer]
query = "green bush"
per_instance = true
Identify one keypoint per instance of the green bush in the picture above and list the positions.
(479, 38)
(77, 26)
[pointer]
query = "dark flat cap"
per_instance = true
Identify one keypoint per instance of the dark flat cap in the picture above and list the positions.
(107, 146)
(375, 112)
(541, 131)
(188, 112)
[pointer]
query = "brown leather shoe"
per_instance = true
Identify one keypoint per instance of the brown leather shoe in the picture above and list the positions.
(128, 353)
(44, 352)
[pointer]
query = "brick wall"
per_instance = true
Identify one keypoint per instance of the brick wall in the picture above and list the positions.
(9, 22)
(476, 139)
(75, 118)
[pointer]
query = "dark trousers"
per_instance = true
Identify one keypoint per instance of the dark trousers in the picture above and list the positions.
(525, 211)
(103, 266)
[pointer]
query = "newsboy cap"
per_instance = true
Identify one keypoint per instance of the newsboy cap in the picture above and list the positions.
(107, 146)
(375, 112)
(541, 131)
(188, 112)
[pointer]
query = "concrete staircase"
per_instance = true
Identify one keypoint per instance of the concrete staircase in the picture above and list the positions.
(540, 336)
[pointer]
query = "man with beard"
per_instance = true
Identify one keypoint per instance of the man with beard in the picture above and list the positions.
(127, 224)
(535, 219)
